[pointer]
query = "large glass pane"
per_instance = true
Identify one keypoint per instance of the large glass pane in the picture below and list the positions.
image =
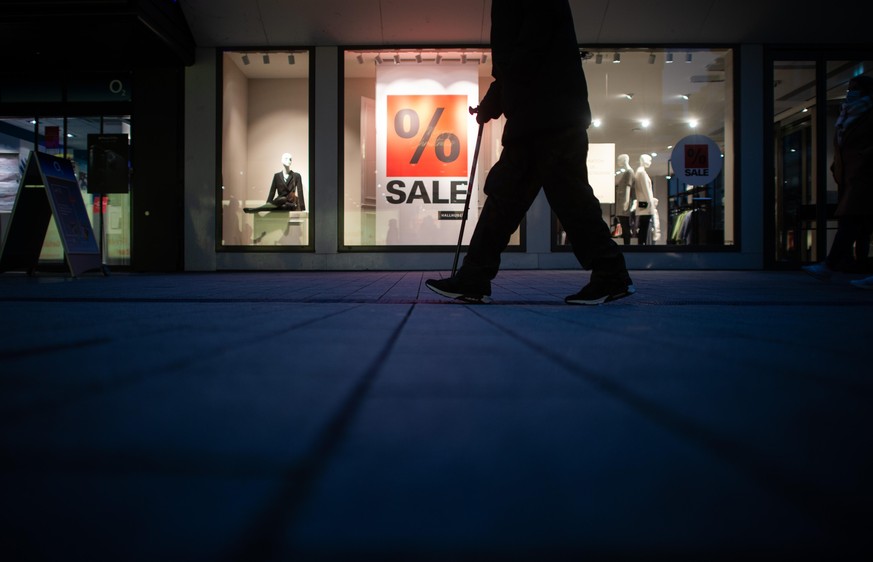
(265, 193)
(409, 142)
(661, 156)
(806, 192)
(796, 196)
(51, 140)
(109, 212)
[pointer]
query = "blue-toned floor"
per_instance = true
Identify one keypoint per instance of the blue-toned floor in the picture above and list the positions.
(358, 416)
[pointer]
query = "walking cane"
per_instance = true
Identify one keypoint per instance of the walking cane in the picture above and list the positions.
(469, 189)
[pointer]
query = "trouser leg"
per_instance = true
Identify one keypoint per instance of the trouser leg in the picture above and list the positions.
(511, 187)
(573, 201)
(625, 229)
(842, 248)
(643, 222)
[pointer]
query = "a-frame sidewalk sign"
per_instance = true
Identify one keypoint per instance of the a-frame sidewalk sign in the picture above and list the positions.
(49, 188)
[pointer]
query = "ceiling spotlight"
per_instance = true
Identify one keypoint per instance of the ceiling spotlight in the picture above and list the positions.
(378, 59)
(396, 59)
(291, 59)
(645, 123)
(693, 123)
(629, 96)
(616, 58)
(245, 59)
(439, 58)
(651, 58)
(684, 96)
(669, 58)
(597, 122)
(599, 58)
(418, 58)
(687, 57)
(463, 58)
(266, 59)
(484, 58)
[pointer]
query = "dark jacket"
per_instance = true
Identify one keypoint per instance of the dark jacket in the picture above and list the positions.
(538, 83)
(288, 192)
(853, 168)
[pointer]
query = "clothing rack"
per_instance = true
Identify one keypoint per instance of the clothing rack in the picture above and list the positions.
(690, 216)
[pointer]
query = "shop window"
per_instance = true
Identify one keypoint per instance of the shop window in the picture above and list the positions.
(68, 138)
(661, 153)
(265, 194)
(409, 142)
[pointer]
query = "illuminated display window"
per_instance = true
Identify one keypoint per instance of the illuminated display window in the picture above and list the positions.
(265, 192)
(663, 124)
(409, 141)
(661, 156)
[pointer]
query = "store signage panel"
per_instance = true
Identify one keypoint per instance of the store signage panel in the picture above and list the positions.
(424, 140)
(108, 170)
(601, 171)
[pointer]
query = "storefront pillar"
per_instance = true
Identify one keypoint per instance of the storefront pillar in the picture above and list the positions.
(325, 186)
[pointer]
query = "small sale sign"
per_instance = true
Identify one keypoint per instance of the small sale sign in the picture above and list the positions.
(697, 160)
(427, 135)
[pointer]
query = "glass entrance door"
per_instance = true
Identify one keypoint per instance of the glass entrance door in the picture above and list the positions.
(795, 194)
(806, 100)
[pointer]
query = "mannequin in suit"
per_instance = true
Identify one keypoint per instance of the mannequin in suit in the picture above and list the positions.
(286, 190)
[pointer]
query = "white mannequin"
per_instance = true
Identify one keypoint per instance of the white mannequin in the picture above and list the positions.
(624, 195)
(646, 202)
(624, 186)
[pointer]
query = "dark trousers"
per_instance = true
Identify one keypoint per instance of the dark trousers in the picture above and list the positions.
(626, 233)
(643, 222)
(555, 163)
(852, 240)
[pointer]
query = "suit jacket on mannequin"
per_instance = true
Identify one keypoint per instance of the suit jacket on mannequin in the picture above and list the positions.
(287, 194)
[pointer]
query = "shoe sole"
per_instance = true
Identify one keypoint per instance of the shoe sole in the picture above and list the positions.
(608, 298)
(474, 299)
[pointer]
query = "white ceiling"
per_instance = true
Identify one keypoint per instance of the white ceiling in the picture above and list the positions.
(284, 23)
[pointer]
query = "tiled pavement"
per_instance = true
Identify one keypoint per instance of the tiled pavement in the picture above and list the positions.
(357, 416)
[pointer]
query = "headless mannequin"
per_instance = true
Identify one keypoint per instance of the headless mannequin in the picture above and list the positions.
(623, 196)
(646, 201)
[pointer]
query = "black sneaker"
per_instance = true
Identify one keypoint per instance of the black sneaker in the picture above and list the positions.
(603, 288)
(466, 290)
